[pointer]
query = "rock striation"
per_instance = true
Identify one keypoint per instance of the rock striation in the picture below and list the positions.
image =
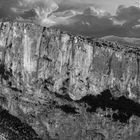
(82, 65)
(34, 58)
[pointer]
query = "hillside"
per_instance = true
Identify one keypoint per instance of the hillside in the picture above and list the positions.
(123, 40)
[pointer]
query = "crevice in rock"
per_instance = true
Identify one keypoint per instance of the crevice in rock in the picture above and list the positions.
(138, 68)
(15, 89)
(5, 74)
(109, 64)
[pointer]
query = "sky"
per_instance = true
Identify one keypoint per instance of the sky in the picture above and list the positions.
(95, 18)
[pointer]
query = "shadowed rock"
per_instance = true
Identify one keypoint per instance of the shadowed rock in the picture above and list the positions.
(11, 128)
(125, 107)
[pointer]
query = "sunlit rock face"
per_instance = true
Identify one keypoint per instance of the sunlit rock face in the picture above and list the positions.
(90, 66)
(38, 63)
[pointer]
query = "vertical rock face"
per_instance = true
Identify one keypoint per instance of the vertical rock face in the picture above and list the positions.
(38, 63)
(86, 66)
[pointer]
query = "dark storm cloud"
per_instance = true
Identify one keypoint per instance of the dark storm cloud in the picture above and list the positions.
(129, 14)
(131, 17)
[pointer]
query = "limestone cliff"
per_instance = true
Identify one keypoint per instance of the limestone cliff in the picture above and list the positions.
(86, 66)
(35, 57)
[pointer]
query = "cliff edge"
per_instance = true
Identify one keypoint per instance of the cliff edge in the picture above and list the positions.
(38, 63)
(87, 66)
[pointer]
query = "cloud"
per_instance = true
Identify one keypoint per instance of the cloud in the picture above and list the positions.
(11, 9)
(5, 10)
(97, 23)
(40, 11)
(54, 12)
(82, 17)
(136, 26)
(96, 12)
(47, 12)
(64, 17)
(131, 16)
(90, 25)
(128, 14)
(42, 8)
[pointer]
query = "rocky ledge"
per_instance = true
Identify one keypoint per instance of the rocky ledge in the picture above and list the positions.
(43, 70)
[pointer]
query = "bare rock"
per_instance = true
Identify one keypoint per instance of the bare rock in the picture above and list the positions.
(38, 63)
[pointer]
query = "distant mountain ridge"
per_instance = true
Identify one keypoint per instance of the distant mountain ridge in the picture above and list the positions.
(123, 40)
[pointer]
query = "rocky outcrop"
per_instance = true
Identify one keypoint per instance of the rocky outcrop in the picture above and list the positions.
(77, 65)
(38, 63)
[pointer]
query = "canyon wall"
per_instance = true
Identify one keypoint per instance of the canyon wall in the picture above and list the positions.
(83, 66)
(35, 57)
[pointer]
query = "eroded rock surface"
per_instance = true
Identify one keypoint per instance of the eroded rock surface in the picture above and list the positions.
(83, 66)
(44, 69)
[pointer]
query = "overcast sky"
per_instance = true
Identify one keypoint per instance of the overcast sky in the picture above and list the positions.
(96, 18)
(108, 5)
(112, 5)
